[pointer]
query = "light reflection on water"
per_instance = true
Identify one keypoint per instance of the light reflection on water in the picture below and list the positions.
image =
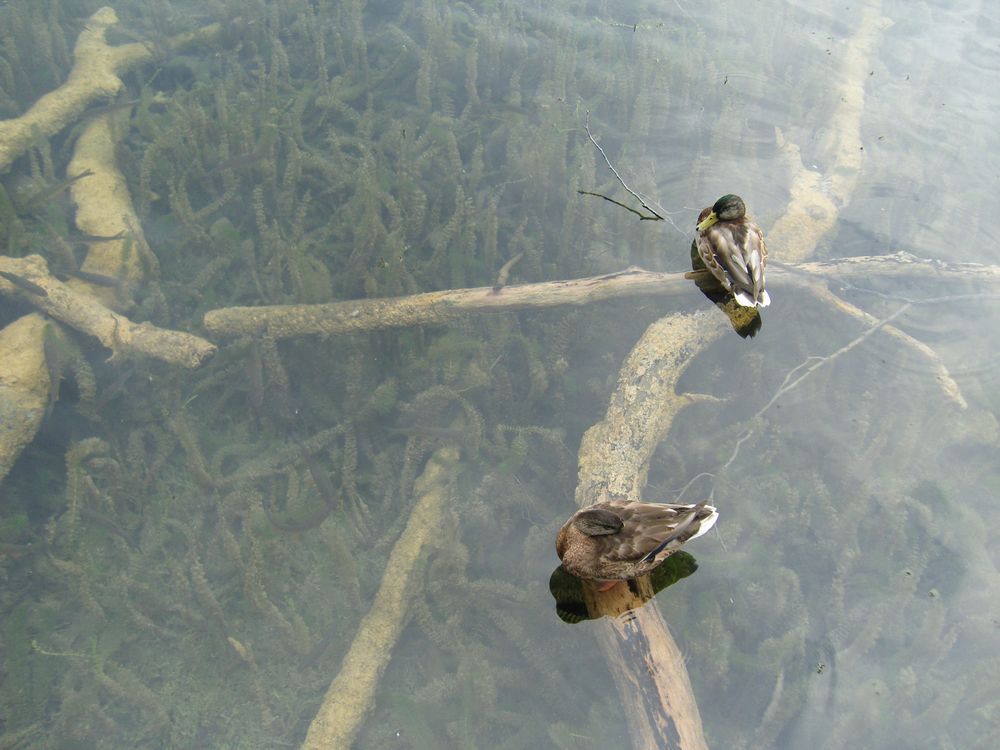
(847, 597)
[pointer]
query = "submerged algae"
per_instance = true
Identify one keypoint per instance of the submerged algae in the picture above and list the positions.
(303, 162)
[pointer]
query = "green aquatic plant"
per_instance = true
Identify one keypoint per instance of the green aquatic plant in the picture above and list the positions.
(224, 529)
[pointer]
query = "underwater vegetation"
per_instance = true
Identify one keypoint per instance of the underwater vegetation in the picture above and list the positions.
(209, 549)
(185, 556)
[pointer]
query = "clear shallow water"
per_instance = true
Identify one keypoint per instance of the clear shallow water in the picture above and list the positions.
(848, 596)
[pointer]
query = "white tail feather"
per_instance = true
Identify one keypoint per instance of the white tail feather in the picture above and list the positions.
(747, 301)
(706, 523)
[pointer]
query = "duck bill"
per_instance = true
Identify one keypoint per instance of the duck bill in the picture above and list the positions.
(707, 222)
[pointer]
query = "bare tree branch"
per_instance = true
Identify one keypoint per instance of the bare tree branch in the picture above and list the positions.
(434, 308)
(642, 217)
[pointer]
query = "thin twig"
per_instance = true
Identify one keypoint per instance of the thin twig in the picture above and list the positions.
(807, 367)
(792, 379)
(640, 214)
(642, 217)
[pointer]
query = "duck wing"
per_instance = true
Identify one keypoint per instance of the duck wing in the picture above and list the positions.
(755, 257)
(650, 528)
(735, 253)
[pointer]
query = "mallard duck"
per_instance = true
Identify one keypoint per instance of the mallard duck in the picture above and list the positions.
(616, 540)
(731, 246)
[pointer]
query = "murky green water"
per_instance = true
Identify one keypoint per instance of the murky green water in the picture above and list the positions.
(186, 556)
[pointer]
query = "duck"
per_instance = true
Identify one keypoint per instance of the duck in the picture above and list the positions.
(731, 246)
(616, 540)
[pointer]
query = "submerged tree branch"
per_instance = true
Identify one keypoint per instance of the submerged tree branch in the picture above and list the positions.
(29, 279)
(24, 386)
(647, 666)
(653, 215)
(434, 308)
(97, 66)
(352, 692)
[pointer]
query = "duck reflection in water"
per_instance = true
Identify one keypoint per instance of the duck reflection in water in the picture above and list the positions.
(571, 601)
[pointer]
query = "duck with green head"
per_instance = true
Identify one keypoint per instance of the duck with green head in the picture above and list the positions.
(731, 247)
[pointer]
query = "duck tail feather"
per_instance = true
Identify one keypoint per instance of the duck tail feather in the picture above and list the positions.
(704, 525)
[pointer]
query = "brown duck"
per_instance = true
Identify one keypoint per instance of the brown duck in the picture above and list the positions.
(617, 540)
(731, 246)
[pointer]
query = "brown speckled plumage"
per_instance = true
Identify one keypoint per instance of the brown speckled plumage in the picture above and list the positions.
(618, 540)
(732, 248)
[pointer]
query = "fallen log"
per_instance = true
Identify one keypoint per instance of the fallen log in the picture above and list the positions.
(24, 386)
(94, 77)
(352, 692)
(645, 662)
(29, 279)
(435, 308)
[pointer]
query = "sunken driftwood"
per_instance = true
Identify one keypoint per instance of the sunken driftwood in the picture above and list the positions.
(434, 308)
(103, 208)
(24, 387)
(647, 666)
(93, 78)
(352, 692)
(28, 278)
(645, 662)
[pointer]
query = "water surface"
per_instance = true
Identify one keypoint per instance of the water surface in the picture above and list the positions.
(185, 586)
